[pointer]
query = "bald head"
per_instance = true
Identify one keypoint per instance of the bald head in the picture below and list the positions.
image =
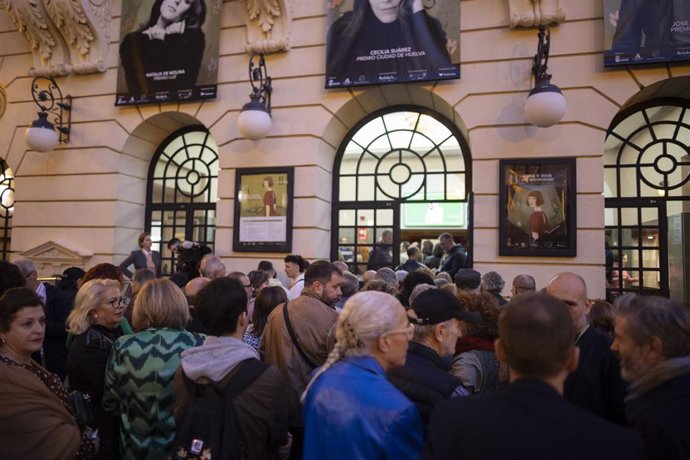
(368, 276)
(192, 288)
(571, 289)
(523, 284)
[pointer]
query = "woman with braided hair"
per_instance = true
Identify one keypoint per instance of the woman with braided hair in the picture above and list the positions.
(350, 408)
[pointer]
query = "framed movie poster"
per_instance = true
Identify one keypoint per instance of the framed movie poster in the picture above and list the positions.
(168, 51)
(263, 210)
(646, 31)
(537, 207)
(379, 42)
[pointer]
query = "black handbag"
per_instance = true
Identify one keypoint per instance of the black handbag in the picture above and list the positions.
(81, 407)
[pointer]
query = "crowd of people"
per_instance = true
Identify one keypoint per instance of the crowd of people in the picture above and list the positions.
(407, 364)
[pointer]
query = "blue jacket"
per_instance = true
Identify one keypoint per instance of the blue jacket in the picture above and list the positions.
(353, 412)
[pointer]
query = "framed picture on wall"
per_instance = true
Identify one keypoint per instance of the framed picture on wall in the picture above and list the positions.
(537, 207)
(263, 210)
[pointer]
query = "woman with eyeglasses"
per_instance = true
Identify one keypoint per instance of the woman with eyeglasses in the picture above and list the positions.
(372, 418)
(95, 325)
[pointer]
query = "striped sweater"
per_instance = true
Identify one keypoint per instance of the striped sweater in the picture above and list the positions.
(139, 389)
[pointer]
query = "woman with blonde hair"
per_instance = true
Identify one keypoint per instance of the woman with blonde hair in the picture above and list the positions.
(372, 419)
(95, 325)
(140, 374)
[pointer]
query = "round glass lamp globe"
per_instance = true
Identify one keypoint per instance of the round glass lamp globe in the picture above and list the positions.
(544, 109)
(254, 124)
(41, 139)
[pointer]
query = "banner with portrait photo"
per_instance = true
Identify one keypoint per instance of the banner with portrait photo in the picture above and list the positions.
(263, 210)
(646, 31)
(168, 51)
(537, 207)
(375, 42)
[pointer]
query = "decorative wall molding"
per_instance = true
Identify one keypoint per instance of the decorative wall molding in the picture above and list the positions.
(84, 27)
(269, 25)
(533, 13)
(65, 35)
(53, 258)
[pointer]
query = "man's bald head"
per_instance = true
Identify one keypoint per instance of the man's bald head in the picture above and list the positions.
(193, 287)
(571, 289)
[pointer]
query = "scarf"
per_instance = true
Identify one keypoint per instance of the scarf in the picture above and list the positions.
(657, 375)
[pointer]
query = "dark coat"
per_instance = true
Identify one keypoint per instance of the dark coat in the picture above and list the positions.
(527, 419)
(596, 385)
(454, 260)
(139, 260)
(662, 417)
(425, 379)
(410, 266)
(88, 356)
(58, 307)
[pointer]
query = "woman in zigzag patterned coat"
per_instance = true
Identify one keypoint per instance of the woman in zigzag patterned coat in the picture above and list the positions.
(140, 374)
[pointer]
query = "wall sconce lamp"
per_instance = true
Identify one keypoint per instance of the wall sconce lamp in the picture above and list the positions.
(42, 135)
(545, 104)
(254, 121)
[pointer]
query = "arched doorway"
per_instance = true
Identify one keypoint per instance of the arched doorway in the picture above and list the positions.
(647, 195)
(182, 191)
(400, 174)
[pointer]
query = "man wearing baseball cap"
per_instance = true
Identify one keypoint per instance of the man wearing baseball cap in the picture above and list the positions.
(425, 379)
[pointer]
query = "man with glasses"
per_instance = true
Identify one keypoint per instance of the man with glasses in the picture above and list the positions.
(425, 379)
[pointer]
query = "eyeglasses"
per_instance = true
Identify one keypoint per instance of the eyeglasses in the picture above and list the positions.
(117, 302)
(407, 330)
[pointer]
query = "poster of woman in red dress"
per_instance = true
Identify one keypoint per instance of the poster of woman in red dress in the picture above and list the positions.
(269, 197)
(537, 207)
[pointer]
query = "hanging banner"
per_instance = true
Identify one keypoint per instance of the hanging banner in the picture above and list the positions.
(168, 51)
(646, 32)
(374, 42)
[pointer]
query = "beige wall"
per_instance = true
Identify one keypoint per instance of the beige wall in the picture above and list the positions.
(91, 192)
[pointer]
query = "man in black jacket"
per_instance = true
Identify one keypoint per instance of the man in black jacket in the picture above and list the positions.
(425, 377)
(595, 385)
(455, 256)
(529, 418)
(653, 341)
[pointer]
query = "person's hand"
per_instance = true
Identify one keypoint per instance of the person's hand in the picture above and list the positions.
(451, 46)
(417, 6)
(613, 18)
(175, 28)
(155, 33)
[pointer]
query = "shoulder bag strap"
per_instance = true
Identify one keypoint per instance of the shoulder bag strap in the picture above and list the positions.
(293, 337)
(251, 370)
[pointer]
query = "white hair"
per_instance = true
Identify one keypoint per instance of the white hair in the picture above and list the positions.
(366, 316)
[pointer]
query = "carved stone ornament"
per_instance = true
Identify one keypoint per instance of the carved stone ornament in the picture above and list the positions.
(65, 35)
(269, 25)
(53, 258)
(534, 13)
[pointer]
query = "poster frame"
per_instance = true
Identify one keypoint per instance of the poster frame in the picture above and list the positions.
(283, 242)
(558, 245)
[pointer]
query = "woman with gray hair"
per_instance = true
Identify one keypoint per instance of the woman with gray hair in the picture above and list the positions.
(371, 419)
